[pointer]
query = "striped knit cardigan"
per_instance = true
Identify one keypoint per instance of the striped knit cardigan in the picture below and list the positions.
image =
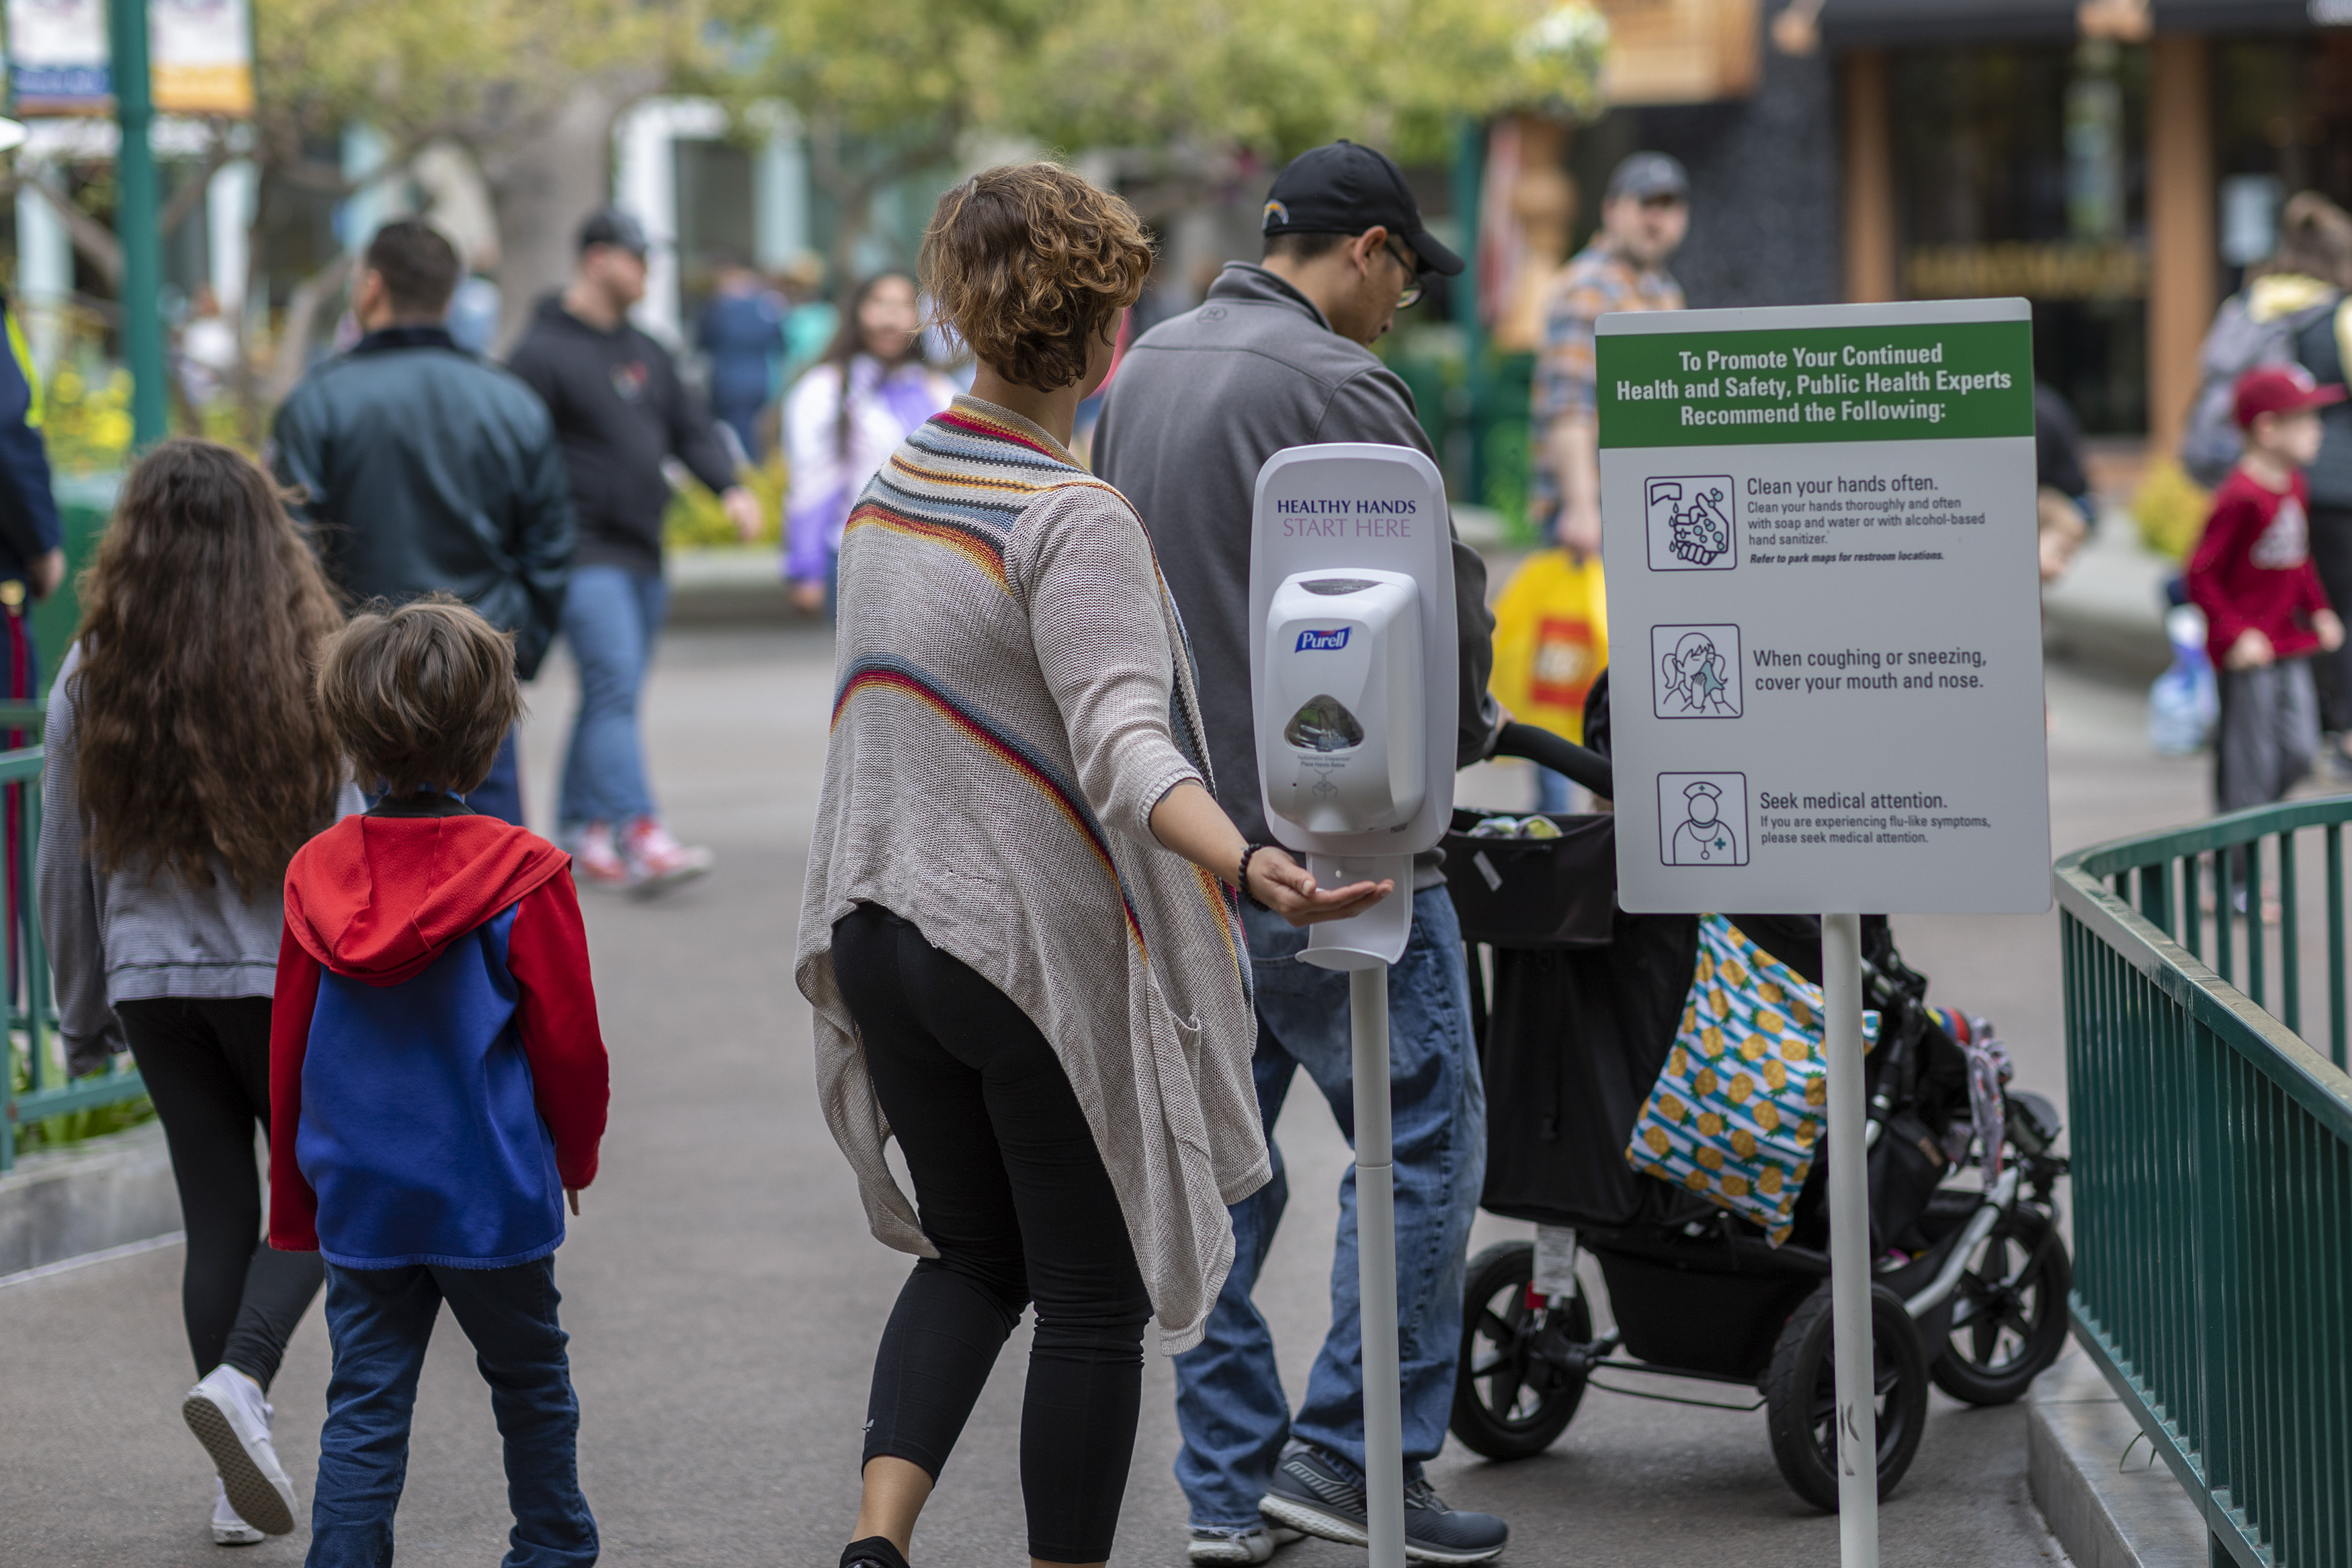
(1012, 696)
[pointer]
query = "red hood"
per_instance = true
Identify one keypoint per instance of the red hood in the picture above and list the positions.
(378, 898)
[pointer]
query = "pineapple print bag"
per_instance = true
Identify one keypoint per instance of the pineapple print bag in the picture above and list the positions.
(1737, 1115)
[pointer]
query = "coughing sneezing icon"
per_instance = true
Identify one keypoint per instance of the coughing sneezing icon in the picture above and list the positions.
(1690, 523)
(1696, 672)
(1703, 819)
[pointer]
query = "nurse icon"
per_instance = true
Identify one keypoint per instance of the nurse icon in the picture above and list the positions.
(1704, 818)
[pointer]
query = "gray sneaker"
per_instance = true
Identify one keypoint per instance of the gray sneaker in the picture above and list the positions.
(1315, 1493)
(1240, 1546)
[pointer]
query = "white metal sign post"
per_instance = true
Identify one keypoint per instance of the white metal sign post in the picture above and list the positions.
(1819, 529)
(1352, 672)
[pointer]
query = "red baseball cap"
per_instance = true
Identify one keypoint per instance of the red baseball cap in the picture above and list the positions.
(2280, 389)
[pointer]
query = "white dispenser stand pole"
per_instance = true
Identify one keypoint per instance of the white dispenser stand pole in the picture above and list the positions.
(1850, 1279)
(1368, 1010)
(1336, 531)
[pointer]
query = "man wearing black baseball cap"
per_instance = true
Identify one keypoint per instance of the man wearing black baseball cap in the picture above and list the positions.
(1278, 355)
(620, 412)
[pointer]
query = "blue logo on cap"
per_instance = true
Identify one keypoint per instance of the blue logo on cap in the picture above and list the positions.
(1331, 641)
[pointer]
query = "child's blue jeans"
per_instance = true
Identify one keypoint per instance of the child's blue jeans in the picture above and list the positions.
(379, 1320)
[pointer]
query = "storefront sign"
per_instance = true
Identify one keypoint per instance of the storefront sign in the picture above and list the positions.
(57, 56)
(1818, 528)
(201, 54)
(1681, 51)
(2056, 271)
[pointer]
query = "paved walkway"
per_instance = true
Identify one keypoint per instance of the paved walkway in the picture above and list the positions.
(724, 1298)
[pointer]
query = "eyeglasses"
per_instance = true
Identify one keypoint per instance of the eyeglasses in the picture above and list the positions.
(1414, 288)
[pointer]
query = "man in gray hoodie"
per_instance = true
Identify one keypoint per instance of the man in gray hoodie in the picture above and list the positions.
(1277, 356)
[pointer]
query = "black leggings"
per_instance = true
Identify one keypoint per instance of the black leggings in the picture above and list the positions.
(207, 1064)
(1014, 1193)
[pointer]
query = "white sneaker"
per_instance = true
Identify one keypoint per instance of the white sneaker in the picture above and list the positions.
(1252, 1546)
(226, 1413)
(655, 860)
(596, 860)
(228, 1530)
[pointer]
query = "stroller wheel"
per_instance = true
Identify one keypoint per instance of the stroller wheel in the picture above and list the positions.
(2009, 1316)
(1802, 1395)
(1518, 1387)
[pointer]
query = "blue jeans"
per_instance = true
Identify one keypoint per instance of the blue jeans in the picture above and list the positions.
(1551, 790)
(1229, 1399)
(379, 1320)
(611, 617)
(500, 794)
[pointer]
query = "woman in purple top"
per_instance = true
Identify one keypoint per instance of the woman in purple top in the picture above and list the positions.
(843, 421)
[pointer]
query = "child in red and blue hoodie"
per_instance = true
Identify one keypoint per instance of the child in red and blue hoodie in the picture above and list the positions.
(437, 1084)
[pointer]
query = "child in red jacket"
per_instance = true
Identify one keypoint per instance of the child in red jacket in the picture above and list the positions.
(2265, 611)
(438, 1083)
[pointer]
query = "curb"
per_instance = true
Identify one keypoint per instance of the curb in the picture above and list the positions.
(740, 585)
(2108, 611)
(729, 586)
(90, 1198)
(2125, 647)
(2107, 1499)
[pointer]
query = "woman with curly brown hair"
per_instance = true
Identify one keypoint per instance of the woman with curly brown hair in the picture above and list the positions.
(187, 762)
(1019, 930)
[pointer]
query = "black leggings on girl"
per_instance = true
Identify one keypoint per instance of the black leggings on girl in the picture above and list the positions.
(207, 1064)
(1012, 1193)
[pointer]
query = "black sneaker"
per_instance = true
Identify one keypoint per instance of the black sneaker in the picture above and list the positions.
(1436, 1534)
(874, 1552)
(1326, 1499)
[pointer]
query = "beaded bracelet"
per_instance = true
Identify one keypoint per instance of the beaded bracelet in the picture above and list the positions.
(1248, 896)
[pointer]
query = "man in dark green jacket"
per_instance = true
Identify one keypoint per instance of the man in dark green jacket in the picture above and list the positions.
(421, 466)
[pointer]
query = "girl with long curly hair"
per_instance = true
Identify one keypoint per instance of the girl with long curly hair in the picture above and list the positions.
(1019, 930)
(187, 762)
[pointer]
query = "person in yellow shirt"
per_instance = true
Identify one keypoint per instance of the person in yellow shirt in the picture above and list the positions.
(1552, 643)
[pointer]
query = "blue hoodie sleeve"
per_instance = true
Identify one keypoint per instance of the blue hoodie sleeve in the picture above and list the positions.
(28, 510)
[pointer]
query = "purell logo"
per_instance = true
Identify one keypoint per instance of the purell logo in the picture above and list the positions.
(1329, 642)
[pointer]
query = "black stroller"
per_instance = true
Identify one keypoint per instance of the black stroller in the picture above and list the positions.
(1577, 1004)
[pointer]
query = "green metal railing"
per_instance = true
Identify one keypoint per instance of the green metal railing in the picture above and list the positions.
(2212, 1168)
(32, 1006)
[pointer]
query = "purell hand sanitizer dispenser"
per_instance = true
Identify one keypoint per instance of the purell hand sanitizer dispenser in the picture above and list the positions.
(1343, 660)
(1351, 593)
(1352, 670)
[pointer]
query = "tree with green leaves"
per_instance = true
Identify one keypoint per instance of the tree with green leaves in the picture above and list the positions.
(886, 87)
(527, 89)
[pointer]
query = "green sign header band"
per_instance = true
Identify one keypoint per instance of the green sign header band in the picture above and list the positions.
(1924, 381)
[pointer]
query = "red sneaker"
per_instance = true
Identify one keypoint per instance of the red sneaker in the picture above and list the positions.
(595, 861)
(655, 860)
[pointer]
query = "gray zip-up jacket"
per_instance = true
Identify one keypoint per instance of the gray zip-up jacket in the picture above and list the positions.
(124, 936)
(1200, 402)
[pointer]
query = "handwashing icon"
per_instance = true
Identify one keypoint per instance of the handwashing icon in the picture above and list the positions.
(1690, 523)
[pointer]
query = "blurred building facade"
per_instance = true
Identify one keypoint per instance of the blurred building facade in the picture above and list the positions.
(2118, 163)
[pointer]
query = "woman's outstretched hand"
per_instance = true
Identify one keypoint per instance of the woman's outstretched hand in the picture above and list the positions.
(1189, 821)
(1287, 888)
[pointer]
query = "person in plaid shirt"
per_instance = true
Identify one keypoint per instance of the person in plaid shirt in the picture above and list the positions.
(1643, 217)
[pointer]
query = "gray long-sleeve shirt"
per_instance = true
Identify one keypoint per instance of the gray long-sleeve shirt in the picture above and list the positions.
(124, 936)
(1201, 402)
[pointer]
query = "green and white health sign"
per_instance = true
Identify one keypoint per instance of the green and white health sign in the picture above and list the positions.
(1825, 609)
